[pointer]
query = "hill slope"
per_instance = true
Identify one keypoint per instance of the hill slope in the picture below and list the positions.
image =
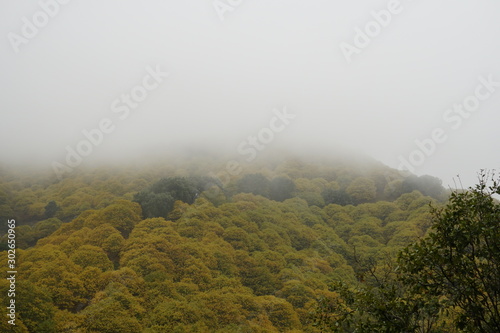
(190, 248)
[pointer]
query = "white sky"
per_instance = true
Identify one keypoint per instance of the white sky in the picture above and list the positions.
(227, 76)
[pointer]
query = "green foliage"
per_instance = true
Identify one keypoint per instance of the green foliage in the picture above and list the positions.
(460, 259)
(362, 189)
(34, 307)
(154, 204)
(45, 228)
(385, 308)
(122, 215)
(166, 250)
(312, 198)
(256, 184)
(88, 255)
(281, 188)
(182, 189)
(427, 185)
(50, 210)
(114, 310)
(158, 200)
(336, 196)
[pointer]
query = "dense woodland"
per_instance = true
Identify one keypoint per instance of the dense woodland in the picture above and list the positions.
(282, 246)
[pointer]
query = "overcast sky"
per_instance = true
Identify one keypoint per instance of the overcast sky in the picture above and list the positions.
(350, 81)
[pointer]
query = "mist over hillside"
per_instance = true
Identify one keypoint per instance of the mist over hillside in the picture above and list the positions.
(249, 166)
(139, 79)
(196, 231)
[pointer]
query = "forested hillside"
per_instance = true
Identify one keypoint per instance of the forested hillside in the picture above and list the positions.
(179, 248)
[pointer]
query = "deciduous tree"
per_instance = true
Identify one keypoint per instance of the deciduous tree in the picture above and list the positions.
(460, 259)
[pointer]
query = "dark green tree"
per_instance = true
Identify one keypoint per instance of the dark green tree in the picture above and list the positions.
(158, 200)
(281, 188)
(383, 307)
(460, 259)
(339, 197)
(183, 189)
(427, 185)
(50, 209)
(255, 183)
(154, 204)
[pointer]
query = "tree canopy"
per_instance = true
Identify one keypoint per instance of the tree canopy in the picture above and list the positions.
(168, 249)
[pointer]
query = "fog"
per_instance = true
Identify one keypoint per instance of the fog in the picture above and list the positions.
(414, 81)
